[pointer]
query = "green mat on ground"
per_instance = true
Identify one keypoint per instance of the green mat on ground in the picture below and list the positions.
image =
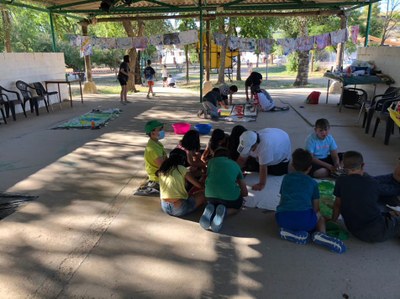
(326, 207)
(99, 117)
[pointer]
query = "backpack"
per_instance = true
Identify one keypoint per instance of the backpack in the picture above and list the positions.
(313, 98)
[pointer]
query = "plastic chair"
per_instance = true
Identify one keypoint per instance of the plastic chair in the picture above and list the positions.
(2, 104)
(11, 98)
(384, 115)
(41, 91)
(370, 107)
(26, 91)
(353, 97)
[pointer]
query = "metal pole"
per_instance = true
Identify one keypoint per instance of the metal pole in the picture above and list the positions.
(53, 34)
(201, 52)
(368, 25)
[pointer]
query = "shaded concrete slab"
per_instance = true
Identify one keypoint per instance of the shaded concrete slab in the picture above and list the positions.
(88, 237)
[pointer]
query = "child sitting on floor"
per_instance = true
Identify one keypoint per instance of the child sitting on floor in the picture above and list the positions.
(263, 100)
(171, 81)
(190, 143)
(154, 156)
(323, 148)
(173, 175)
(218, 139)
(225, 189)
(298, 211)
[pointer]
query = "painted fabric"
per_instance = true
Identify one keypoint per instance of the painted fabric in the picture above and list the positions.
(247, 44)
(86, 46)
(124, 43)
(338, 37)
(305, 43)
(188, 37)
(171, 39)
(265, 45)
(140, 42)
(288, 45)
(75, 40)
(104, 43)
(354, 31)
(156, 40)
(219, 38)
(323, 41)
(234, 42)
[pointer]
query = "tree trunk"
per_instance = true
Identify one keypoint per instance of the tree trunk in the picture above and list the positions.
(238, 62)
(302, 72)
(187, 63)
(6, 29)
(258, 57)
(134, 77)
(304, 58)
(221, 71)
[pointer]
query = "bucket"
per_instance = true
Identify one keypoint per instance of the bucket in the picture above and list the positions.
(203, 128)
(181, 128)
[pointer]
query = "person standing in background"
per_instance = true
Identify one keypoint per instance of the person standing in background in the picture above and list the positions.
(123, 76)
(150, 74)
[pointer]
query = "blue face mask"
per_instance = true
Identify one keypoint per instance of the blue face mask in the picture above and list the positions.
(161, 135)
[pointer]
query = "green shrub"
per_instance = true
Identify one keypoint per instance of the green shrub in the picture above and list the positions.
(293, 62)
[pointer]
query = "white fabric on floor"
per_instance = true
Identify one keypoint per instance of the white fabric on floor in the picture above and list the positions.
(269, 197)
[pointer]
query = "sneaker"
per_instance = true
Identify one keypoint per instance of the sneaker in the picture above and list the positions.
(154, 94)
(200, 113)
(298, 237)
(148, 96)
(218, 219)
(205, 219)
(153, 185)
(146, 191)
(329, 242)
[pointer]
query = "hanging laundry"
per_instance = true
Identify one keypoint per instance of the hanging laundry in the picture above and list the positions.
(219, 38)
(171, 39)
(339, 36)
(156, 40)
(354, 31)
(305, 43)
(323, 41)
(188, 37)
(265, 45)
(247, 44)
(140, 42)
(86, 46)
(75, 40)
(234, 42)
(288, 45)
(104, 43)
(124, 43)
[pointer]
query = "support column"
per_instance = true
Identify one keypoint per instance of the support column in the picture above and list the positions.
(89, 87)
(201, 51)
(53, 35)
(368, 25)
(208, 50)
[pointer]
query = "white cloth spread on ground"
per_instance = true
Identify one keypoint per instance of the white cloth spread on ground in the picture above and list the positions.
(269, 197)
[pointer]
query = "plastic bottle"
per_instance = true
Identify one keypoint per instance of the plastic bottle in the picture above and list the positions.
(93, 124)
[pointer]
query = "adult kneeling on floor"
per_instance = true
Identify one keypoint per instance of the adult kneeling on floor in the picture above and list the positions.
(272, 149)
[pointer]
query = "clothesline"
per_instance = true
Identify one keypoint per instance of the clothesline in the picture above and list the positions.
(307, 43)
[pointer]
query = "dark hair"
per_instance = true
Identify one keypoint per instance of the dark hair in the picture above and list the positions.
(176, 157)
(221, 152)
(255, 89)
(148, 61)
(301, 159)
(217, 136)
(191, 140)
(322, 123)
(233, 88)
(234, 141)
(215, 89)
(352, 160)
(253, 79)
(126, 58)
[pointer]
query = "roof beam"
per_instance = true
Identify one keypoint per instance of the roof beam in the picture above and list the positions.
(71, 4)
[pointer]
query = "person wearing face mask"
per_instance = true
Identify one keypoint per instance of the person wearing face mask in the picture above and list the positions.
(154, 156)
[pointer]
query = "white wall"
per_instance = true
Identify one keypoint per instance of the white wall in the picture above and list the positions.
(386, 59)
(33, 67)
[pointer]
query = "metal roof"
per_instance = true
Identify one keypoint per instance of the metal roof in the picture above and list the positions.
(172, 8)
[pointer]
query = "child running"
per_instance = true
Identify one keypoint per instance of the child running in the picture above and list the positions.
(225, 189)
(173, 176)
(298, 211)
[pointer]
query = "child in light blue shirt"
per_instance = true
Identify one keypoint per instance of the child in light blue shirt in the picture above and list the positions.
(323, 148)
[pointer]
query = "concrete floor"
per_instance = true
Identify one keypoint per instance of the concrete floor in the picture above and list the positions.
(87, 236)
